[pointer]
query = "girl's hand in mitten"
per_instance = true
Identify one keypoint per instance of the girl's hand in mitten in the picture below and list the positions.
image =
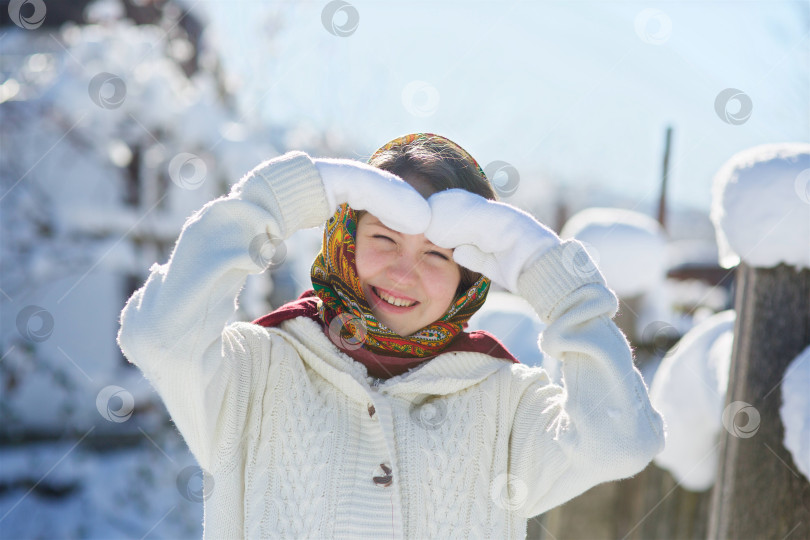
(493, 238)
(392, 200)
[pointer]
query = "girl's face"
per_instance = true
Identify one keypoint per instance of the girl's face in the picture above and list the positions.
(409, 282)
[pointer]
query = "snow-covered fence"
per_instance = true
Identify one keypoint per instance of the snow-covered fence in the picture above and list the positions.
(761, 211)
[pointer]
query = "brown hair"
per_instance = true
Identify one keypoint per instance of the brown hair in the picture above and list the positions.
(443, 167)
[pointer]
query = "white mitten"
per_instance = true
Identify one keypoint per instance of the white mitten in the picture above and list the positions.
(392, 200)
(493, 238)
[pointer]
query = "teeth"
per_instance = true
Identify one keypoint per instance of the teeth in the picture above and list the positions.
(394, 301)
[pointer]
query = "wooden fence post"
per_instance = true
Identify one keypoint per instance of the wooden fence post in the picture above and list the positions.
(759, 492)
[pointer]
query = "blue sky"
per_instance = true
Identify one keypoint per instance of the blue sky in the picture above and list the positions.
(563, 90)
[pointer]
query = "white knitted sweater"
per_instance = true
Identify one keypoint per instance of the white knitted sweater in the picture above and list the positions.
(301, 443)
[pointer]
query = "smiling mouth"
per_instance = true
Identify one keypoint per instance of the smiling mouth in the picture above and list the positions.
(393, 300)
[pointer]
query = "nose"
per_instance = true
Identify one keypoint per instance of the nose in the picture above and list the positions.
(403, 269)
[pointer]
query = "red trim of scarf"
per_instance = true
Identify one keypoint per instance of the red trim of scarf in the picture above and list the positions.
(382, 366)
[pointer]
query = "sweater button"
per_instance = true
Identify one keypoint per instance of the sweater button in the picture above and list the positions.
(386, 479)
(371, 410)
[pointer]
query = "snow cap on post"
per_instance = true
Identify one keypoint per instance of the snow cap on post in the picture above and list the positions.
(689, 390)
(628, 247)
(761, 206)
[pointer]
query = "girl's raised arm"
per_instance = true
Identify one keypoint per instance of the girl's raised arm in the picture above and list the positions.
(600, 425)
(174, 327)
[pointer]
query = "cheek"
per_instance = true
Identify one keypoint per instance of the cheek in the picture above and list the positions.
(367, 262)
(442, 285)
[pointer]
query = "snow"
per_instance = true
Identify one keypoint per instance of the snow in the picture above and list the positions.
(761, 206)
(691, 252)
(50, 386)
(689, 390)
(628, 247)
(64, 490)
(695, 297)
(795, 411)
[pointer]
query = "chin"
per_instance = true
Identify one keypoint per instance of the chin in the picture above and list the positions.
(399, 329)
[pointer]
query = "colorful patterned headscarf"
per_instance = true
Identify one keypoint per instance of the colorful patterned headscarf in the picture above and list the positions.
(344, 309)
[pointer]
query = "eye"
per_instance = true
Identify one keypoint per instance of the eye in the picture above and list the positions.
(439, 254)
(383, 237)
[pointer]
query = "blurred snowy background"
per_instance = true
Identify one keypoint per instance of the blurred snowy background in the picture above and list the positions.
(119, 118)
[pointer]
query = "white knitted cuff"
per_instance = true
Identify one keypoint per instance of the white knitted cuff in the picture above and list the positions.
(298, 188)
(557, 273)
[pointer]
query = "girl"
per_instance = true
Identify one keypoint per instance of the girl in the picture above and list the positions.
(363, 409)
